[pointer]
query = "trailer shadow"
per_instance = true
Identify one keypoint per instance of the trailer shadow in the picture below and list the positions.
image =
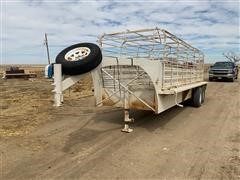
(110, 118)
(144, 119)
(110, 122)
(151, 121)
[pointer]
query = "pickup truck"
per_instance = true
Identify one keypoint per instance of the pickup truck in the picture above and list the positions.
(223, 70)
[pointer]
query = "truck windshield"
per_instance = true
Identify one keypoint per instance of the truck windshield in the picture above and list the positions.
(223, 65)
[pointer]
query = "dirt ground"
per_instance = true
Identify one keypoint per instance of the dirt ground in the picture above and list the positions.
(81, 141)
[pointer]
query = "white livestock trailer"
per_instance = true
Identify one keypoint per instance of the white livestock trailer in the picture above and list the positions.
(147, 69)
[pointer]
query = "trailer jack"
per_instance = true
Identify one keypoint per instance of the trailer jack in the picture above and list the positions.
(127, 120)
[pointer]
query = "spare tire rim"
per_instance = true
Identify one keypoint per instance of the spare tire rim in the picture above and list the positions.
(77, 54)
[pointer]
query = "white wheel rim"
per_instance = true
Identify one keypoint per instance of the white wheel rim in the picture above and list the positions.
(77, 54)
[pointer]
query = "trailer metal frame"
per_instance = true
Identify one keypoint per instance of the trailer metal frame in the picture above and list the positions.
(148, 69)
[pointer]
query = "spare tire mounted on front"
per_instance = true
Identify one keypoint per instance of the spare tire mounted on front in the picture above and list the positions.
(79, 58)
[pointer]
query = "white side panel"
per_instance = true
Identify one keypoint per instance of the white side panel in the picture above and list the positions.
(168, 101)
(97, 84)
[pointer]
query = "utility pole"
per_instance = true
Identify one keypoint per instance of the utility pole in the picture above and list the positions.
(46, 43)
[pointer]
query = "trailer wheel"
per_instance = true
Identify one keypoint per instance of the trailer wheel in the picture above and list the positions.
(197, 97)
(79, 58)
(203, 94)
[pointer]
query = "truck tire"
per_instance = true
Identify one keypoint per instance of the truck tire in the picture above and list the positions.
(197, 97)
(232, 79)
(210, 79)
(79, 58)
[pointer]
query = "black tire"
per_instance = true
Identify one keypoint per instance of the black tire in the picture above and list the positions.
(210, 79)
(232, 79)
(197, 97)
(203, 93)
(80, 66)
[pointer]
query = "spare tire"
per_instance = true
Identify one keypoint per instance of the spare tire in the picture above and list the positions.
(79, 58)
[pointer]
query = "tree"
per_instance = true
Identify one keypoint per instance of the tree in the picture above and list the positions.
(232, 56)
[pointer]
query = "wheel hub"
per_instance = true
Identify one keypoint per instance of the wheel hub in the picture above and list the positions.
(77, 54)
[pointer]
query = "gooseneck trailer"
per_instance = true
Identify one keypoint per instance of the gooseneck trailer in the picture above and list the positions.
(147, 69)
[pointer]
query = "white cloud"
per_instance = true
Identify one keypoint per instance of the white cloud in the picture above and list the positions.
(204, 24)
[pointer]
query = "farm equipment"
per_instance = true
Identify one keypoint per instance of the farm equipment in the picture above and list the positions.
(15, 72)
(147, 69)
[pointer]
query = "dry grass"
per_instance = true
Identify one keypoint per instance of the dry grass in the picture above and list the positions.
(25, 105)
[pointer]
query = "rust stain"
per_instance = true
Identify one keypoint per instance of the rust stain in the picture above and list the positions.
(107, 102)
(139, 105)
(184, 95)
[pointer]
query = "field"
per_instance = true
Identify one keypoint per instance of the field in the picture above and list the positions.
(79, 140)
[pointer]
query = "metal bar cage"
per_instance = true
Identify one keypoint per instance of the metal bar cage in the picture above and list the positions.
(153, 44)
(182, 63)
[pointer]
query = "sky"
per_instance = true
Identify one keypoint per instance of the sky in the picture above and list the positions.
(211, 26)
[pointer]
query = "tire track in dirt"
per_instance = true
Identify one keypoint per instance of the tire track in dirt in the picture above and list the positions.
(223, 114)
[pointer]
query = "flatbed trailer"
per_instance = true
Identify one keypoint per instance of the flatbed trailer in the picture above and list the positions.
(19, 75)
(15, 72)
(146, 69)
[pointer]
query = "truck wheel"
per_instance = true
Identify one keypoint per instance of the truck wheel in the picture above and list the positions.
(79, 58)
(197, 97)
(210, 79)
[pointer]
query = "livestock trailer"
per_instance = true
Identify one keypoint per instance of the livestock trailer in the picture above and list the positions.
(146, 69)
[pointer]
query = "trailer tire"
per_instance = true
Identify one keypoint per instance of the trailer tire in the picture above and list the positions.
(197, 97)
(203, 93)
(79, 58)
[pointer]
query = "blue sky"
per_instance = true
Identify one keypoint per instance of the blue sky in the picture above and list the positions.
(211, 26)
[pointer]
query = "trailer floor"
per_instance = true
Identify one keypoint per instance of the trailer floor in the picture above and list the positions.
(79, 140)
